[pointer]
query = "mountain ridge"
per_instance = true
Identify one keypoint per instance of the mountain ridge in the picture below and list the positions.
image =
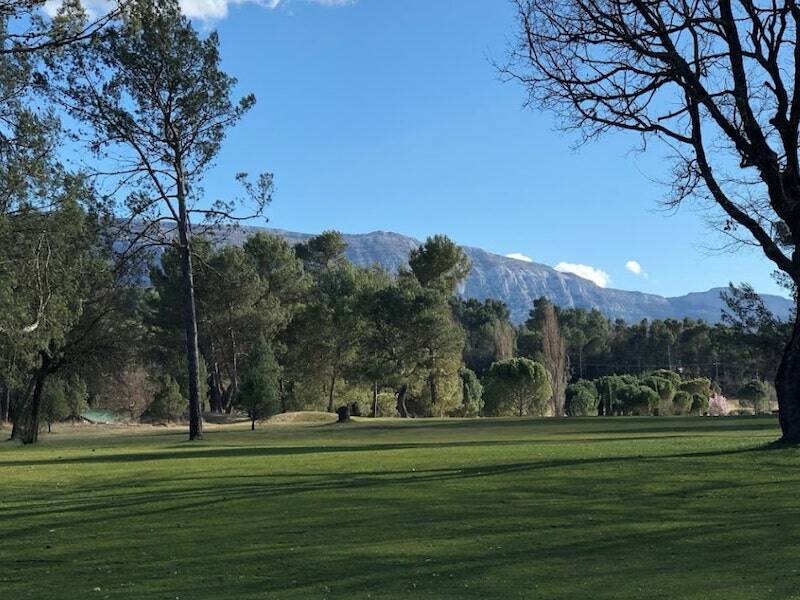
(518, 283)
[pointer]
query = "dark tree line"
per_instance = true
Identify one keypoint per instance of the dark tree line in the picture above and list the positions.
(745, 345)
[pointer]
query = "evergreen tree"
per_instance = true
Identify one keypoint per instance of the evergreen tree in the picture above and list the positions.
(259, 395)
(158, 150)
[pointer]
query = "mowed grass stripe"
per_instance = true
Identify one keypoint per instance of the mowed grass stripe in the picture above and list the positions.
(506, 508)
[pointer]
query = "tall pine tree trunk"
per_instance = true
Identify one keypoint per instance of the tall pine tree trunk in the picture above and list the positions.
(190, 318)
(5, 402)
(432, 383)
(332, 393)
(233, 388)
(787, 386)
(215, 382)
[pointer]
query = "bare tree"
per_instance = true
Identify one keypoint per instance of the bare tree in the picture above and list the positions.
(158, 107)
(718, 81)
(554, 356)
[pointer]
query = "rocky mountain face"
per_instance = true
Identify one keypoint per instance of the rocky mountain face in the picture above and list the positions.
(519, 283)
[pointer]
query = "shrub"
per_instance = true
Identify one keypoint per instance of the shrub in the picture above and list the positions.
(681, 403)
(387, 402)
(168, 403)
(660, 385)
(700, 385)
(128, 392)
(638, 399)
(755, 392)
(54, 402)
(581, 399)
(672, 376)
(718, 406)
(471, 393)
(665, 390)
(608, 389)
(517, 386)
(76, 396)
(699, 404)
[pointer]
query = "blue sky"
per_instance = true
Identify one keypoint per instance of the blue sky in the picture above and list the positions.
(387, 114)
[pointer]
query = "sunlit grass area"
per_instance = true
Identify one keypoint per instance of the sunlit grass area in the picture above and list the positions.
(517, 508)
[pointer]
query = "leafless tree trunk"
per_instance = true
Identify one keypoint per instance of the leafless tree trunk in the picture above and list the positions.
(554, 357)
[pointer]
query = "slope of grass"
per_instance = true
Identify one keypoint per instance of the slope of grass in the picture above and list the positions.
(578, 508)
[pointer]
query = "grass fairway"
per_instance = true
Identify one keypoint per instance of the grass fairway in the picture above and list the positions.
(570, 508)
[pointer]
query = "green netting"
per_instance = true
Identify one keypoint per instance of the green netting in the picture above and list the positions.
(102, 416)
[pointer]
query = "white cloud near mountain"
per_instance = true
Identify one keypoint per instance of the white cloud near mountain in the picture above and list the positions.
(519, 256)
(636, 268)
(597, 276)
(203, 10)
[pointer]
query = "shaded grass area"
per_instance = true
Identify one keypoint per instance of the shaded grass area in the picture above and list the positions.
(491, 508)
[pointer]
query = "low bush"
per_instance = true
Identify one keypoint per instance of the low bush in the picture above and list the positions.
(581, 399)
(681, 403)
(699, 404)
(168, 402)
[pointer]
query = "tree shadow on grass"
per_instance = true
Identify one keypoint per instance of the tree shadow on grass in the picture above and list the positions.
(187, 453)
(96, 500)
(640, 548)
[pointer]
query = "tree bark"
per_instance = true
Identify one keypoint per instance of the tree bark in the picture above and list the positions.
(401, 401)
(233, 388)
(432, 382)
(5, 402)
(190, 320)
(787, 386)
(332, 393)
(375, 400)
(282, 394)
(26, 423)
(217, 394)
(253, 424)
(216, 399)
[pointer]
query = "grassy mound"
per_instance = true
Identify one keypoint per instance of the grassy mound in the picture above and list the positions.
(490, 508)
(303, 417)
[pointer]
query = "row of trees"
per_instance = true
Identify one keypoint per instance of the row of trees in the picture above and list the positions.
(285, 328)
(108, 127)
(746, 344)
(660, 392)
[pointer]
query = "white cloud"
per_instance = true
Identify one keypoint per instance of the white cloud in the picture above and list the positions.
(636, 268)
(597, 276)
(204, 10)
(519, 256)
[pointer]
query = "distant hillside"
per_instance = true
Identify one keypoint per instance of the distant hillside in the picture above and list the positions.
(519, 283)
